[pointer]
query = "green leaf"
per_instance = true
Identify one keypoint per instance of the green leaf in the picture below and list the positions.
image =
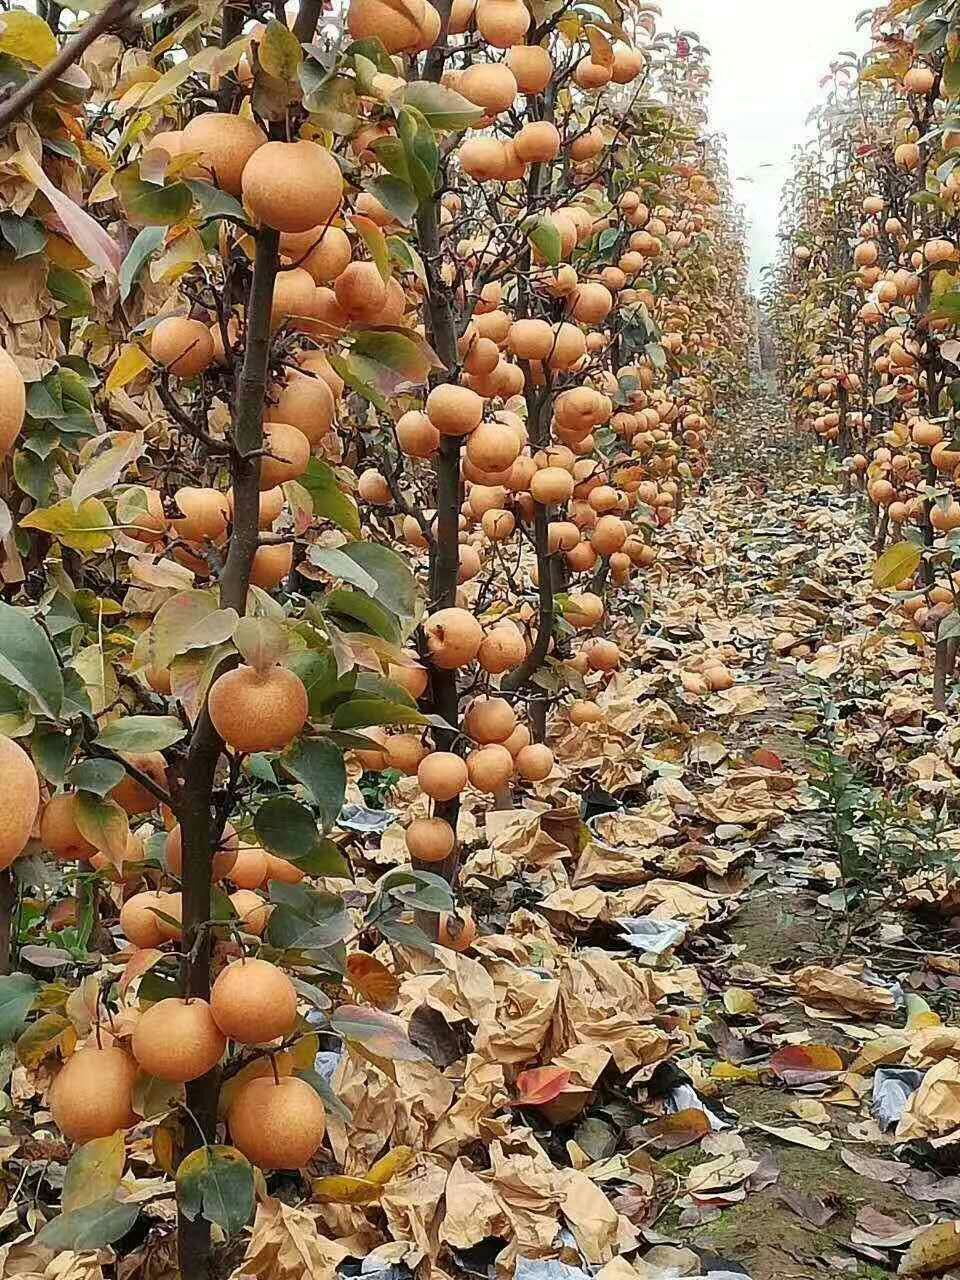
(45, 398)
(334, 561)
(355, 375)
(84, 528)
(25, 236)
(319, 766)
(375, 242)
(407, 258)
(51, 751)
(217, 1182)
(97, 776)
(898, 562)
(279, 52)
(379, 1033)
(389, 358)
(148, 241)
(405, 935)
(395, 195)
(354, 606)
(318, 672)
(545, 237)
(142, 733)
(950, 84)
(369, 685)
(324, 859)
(17, 994)
(329, 500)
(94, 1171)
(419, 889)
(93, 1227)
(214, 203)
(72, 291)
(657, 355)
(395, 585)
(28, 661)
(373, 50)
(103, 822)
(285, 827)
(330, 1099)
(34, 475)
(149, 205)
(423, 154)
(305, 918)
(333, 103)
(441, 107)
(360, 713)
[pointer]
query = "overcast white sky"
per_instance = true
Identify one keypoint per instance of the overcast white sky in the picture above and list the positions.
(767, 58)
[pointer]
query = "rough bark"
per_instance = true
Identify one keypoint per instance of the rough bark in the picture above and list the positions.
(195, 806)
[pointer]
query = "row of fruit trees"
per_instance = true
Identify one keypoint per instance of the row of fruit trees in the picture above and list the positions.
(353, 365)
(866, 301)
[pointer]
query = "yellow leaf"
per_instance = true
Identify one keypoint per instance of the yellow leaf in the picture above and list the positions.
(43, 1037)
(171, 80)
(64, 254)
(168, 1143)
(737, 1000)
(130, 364)
(919, 1014)
(84, 528)
(601, 50)
(391, 1165)
(182, 254)
(95, 1170)
(933, 1251)
(27, 37)
(372, 979)
(163, 88)
(897, 563)
(341, 1189)
(740, 1075)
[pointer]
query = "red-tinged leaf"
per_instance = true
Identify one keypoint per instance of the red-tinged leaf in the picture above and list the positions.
(806, 1063)
(767, 759)
(86, 233)
(681, 1129)
(139, 963)
(380, 1034)
(372, 979)
(541, 1085)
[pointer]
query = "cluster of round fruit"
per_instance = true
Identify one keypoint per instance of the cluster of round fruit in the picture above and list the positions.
(276, 1121)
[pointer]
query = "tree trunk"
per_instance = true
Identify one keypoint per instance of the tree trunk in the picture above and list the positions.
(8, 905)
(445, 550)
(195, 800)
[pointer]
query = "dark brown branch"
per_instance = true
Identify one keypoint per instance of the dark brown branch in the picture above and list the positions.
(74, 49)
(196, 795)
(305, 27)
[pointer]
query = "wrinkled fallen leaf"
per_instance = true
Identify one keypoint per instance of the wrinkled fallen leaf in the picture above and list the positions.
(806, 1063)
(737, 1000)
(933, 1251)
(541, 1085)
(797, 1136)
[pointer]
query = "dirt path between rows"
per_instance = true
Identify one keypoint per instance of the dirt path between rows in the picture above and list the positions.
(774, 574)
